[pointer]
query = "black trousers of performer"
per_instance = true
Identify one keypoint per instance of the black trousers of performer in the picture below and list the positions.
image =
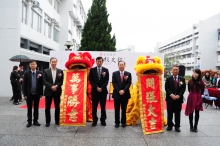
(121, 102)
(196, 119)
(30, 100)
(173, 108)
(96, 99)
(48, 107)
(16, 91)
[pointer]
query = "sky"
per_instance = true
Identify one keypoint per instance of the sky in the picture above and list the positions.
(143, 23)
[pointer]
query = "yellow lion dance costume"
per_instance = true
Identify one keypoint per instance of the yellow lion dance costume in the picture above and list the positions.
(144, 65)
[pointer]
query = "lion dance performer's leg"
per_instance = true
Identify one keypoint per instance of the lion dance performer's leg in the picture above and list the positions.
(133, 109)
(89, 103)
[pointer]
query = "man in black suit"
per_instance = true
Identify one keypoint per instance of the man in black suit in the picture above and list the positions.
(121, 81)
(53, 80)
(33, 90)
(99, 77)
(175, 87)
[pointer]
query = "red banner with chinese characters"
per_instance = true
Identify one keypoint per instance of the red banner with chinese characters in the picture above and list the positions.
(151, 103)
(73, 99)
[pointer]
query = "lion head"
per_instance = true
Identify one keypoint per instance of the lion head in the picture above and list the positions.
(80, 61)
(147, 65)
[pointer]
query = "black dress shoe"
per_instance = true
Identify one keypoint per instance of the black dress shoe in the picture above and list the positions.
(169, 128)
(16, 103)
(28, 124)
(47, 124)
(192, 130)
(11, 99)
(36, 123)
(94, 123)
(116, 125)
(195, 130)
(177, 129)
(123, 125)
(103, 123)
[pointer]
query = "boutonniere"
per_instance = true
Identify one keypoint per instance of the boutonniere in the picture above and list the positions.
(180, 83)
(125, 77)
(59, 75)
(103, 74)
(39, 75)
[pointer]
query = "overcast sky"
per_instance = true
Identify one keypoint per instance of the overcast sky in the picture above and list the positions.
(144, 22)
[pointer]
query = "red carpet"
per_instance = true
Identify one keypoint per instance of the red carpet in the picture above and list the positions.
(109, 105)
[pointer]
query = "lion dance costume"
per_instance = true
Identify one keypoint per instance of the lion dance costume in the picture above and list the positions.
(146, 96)
(76, 100)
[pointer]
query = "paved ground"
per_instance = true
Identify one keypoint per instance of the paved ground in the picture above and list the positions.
(14, 133)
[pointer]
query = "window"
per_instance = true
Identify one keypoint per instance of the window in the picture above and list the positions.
(47, 29)
(56, 5)
(218, 35)
(188, 68)
(55, 35)
(36, 21)
(188, 55)
(24, 13)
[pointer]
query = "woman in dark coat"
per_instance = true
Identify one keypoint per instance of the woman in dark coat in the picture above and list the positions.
(15, 79)
(194, 102)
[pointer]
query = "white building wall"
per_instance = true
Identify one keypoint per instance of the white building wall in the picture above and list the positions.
(12, 29)
(10, 16)
(208, 42)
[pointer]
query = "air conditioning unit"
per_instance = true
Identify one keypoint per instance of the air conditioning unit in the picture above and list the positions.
(56, 24)
(53, 21)
(36, 4)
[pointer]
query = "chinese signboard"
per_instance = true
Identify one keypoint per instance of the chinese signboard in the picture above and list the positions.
(73, 100)
(151, 103)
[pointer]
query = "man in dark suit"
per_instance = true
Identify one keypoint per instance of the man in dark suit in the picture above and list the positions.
(21, 73)
(99, 77)
(121, 81)
(33, 90)
(53, 80)
(175, 87)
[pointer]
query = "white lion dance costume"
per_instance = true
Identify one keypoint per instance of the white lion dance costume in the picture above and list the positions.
(146, 96)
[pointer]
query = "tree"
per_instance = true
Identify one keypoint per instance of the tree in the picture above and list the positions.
(169, 62)
(96, 33)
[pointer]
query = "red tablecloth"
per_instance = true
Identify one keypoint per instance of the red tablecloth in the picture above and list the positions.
(215, 93)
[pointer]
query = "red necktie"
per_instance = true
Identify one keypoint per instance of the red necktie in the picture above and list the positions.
(122, 75)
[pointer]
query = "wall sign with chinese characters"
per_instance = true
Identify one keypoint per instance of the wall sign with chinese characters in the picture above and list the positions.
(73, 99)
(151, 103)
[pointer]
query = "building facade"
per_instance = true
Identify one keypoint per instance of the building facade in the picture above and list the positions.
(197, 47)
(34, 28)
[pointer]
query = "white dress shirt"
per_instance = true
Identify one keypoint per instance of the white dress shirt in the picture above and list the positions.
(54, 72)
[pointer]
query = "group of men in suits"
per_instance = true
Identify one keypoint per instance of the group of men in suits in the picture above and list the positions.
(33, 83)
(121, 80)
(52, 78)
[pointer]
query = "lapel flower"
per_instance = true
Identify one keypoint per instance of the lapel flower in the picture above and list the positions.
(180, 83)
(39, 75)
(103, 74)
(125, 77)
(59, 75)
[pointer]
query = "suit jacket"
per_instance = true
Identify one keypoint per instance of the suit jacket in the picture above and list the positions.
(118, 85)
(95, 82)
(170, 89)
(48, 82)
(27, 82)
(14, 77)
